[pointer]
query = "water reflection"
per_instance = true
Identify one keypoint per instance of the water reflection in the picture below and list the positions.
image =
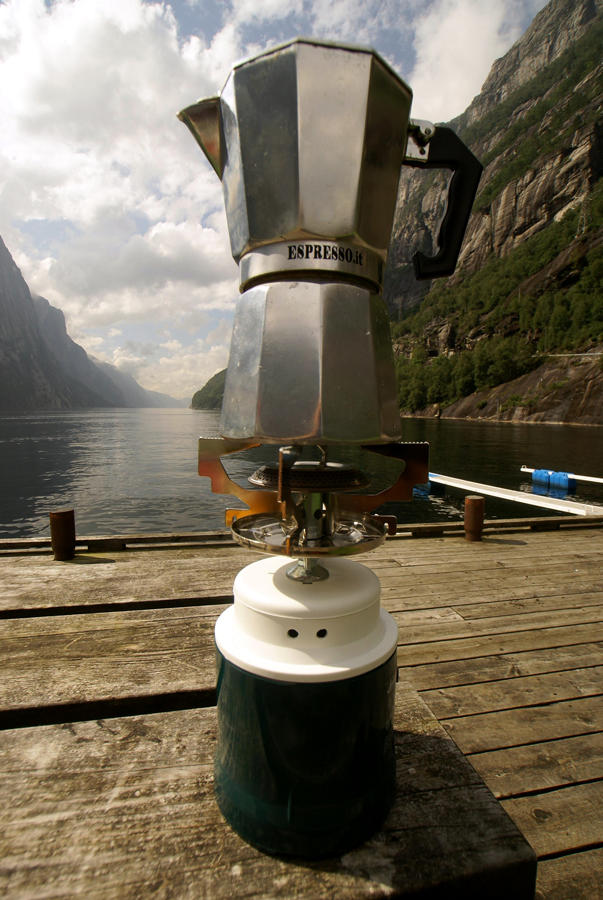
(128, 471)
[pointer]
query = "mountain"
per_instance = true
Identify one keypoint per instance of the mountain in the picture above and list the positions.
(529, 282)
(30, 375)
(41, 367)
(134, 395)
(210, 395)
(536, 125)
(73, 358)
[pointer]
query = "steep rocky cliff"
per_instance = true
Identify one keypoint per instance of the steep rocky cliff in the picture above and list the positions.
(537, 127)
(41, 367)
(530, 275)
(556, 28)
(73, 358)
(30, 375)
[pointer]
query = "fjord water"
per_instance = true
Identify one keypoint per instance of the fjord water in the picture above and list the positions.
(128, 471)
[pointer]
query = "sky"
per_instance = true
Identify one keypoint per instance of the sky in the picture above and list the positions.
(109, 207)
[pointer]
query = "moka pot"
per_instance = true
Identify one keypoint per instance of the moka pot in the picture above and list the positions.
(308, 139)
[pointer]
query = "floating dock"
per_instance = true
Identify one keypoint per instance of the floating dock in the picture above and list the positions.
(590, 478)
(108, 720)
(559, 506)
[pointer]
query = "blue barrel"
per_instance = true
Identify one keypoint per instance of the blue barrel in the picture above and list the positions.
(563, 481)
(541, 476)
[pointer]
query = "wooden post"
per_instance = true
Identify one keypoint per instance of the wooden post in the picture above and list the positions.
(474, 517)
(390, 521)
(62, 534)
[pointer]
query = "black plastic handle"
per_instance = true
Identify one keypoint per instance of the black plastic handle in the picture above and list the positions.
(447, 151)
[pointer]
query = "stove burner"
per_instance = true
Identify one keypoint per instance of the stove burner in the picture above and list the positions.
(351, 534)
(313, 476)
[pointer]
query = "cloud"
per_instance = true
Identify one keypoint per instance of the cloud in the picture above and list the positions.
(91, 92)
(185, 369)
(456, 42)
(244, 11)
(107, 204)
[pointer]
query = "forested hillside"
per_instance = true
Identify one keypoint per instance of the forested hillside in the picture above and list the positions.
(530, 276)
(498, 323)
(210, 395)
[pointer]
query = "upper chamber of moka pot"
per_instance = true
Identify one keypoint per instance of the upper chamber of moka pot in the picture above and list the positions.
(308, 140)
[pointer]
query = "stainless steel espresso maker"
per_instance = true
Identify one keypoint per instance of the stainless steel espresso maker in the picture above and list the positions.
(308, 140)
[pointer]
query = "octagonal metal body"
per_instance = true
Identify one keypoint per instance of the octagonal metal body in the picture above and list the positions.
(308, 139)
(311, 363)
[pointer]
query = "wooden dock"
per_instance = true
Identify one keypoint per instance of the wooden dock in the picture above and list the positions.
(503, 641)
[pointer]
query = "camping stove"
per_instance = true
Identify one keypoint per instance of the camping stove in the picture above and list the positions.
(308, 140)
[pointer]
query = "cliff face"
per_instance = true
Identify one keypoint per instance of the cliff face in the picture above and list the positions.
(73, 359)
(30, 376)
(211, 394)
(526, 205)
(529, 282)
(553, 30)
(41, 367)
(540, 136)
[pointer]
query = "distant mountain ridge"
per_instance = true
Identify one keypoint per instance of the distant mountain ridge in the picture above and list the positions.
(133, 394)
(41, 367)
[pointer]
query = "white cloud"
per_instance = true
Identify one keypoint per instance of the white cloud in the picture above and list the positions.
(185, 369)
(244, 11)
(456, 43)
(93, 151)
(107, 204)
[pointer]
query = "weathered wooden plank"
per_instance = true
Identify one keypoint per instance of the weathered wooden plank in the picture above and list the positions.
(504, 588)
(39, 626)
(107, 660)
(531, 605)
(539, 523)
(441, 551)
(574, 877)
(514, 727)
(38, 582)
(484, 645)
(144, 574)
(527, 562)
(111, 655)
(562, 820)
(566, 571)
(512, 607)
(495, 625)
(418, 575)
(587, 530)
(97, 657)
(511, 693)
(123, 808)
(538, 767)
(424, 597)
(505, 665)
(69, 659)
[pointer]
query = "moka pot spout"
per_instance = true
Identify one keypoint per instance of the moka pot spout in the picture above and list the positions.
(204, 121)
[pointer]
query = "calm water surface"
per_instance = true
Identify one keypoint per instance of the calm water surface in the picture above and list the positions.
(134, 470)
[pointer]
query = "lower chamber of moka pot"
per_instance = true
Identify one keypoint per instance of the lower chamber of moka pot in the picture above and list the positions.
(307, 768)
